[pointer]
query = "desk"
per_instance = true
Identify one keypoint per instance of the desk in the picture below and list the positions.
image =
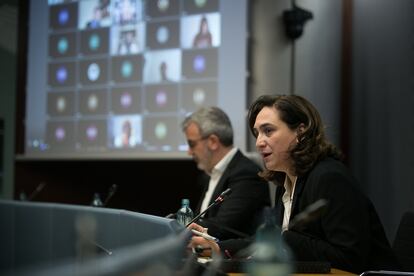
(334, 271)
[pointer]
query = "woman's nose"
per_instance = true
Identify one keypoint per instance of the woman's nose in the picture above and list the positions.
(259, 141)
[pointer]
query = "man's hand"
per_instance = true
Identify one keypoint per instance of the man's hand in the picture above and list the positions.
(202, 246)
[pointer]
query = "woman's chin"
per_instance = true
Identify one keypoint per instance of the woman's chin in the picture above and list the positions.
(268, 165)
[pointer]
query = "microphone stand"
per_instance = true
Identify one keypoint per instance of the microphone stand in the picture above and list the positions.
(202, 213)
(37, 190)
(218, 200)
(311, 212)
(111, 192)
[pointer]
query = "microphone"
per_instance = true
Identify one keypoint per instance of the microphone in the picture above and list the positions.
(86, 229)
(111, 193)
(310, 213)
(100, 247)
(221, 197)
(36, 191)
(218, 200)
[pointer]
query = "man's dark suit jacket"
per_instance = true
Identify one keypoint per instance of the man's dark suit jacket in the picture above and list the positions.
(241, 210)
(348, 234)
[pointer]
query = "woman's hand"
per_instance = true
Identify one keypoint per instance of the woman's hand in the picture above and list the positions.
(204, 247)
(197, 227)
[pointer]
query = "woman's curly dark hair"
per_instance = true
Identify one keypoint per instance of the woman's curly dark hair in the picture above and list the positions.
(312, 144)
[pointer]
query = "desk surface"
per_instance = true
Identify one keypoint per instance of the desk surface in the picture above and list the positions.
(334, 271)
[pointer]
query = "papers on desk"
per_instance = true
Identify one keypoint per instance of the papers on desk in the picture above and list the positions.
(385, 272)
(204, 260)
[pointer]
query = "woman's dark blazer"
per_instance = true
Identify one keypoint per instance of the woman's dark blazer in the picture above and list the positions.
(348, 233)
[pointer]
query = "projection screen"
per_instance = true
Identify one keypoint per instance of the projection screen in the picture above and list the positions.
(115, 78)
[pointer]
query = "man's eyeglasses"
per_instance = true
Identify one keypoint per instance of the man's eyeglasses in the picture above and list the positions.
(193, 143)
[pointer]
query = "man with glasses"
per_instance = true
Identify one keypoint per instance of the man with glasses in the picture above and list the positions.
(209, 135)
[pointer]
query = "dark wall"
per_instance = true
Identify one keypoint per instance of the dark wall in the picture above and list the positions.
(148, 186)
(382, 124)
(1, 151)
(8, 45)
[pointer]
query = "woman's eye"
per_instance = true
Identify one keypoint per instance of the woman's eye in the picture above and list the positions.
(267, 131)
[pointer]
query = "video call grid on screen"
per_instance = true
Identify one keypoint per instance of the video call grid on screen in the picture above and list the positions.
(119, 76)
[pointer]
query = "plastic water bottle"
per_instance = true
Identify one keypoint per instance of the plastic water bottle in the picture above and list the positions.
(271, 257)
(185, 214)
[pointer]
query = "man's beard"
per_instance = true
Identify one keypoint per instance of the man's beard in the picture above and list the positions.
(204, 163)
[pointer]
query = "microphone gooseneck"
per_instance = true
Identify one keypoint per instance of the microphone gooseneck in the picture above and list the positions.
(311, 212)
(36, 191)
(218, 200)
(111, 193)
